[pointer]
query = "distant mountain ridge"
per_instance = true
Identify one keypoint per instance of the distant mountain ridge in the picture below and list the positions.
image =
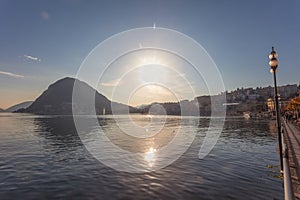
(57, 99)
(19, 106)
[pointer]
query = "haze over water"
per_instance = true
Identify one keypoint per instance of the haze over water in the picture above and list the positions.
(42, 157)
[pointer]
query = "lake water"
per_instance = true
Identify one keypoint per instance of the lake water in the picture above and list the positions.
(42, 157)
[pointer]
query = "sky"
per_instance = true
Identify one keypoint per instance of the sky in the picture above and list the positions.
(43, 41)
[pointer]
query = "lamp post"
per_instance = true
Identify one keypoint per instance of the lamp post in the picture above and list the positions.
(274, 64)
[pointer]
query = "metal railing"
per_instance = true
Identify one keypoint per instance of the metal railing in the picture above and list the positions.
(288, 188)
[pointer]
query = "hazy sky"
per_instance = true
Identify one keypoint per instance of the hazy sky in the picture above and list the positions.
(43, 41)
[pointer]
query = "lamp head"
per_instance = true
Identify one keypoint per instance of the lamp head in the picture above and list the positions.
(273, 59)
(273, 54)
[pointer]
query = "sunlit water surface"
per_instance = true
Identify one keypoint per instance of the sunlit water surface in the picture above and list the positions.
(42, 157)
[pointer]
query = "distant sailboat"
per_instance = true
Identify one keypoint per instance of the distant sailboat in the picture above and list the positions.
(103, 111)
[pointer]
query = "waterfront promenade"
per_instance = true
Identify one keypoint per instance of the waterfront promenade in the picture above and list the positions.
(292, 139)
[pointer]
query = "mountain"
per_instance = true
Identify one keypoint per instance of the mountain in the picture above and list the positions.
(19, 106)
(1, 110)
(57, 99)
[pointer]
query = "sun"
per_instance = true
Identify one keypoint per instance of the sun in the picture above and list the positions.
(151, 60)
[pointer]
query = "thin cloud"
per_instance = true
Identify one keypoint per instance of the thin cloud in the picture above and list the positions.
(32, 58)
(11, 74)
(112, 83)
(45, 15)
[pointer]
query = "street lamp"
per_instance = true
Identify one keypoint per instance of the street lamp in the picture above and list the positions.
(274, 65)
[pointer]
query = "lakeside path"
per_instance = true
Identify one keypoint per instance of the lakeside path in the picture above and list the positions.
(292, 139)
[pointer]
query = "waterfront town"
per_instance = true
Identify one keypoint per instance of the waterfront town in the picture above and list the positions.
(255, 103)
(259, 102)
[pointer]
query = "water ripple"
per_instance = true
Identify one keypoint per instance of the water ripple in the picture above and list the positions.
(42, 157)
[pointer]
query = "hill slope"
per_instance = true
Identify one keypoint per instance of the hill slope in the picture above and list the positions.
(19, 106)
(57, 99)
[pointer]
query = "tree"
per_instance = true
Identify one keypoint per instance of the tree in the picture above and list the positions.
(294, 106)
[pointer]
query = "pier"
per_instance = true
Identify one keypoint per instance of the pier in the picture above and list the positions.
(291, 135)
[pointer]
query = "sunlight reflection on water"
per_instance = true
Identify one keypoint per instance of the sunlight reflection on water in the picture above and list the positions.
(43, 157)
(150, 156)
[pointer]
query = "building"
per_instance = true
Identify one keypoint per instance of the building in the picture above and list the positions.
(271, 105)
